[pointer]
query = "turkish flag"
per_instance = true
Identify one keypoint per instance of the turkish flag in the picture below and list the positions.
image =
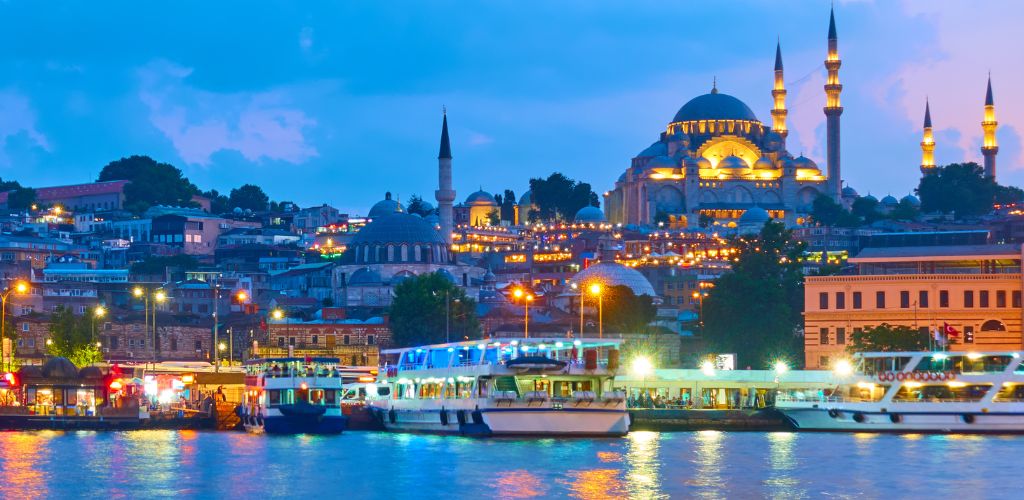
(949, 330)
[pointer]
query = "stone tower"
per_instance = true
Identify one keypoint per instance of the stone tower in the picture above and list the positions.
(833, 109)
(989, 147)
(927, 142)
(779, 96)
(445, 194)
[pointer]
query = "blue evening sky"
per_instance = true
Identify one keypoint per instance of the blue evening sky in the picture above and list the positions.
(339, 102)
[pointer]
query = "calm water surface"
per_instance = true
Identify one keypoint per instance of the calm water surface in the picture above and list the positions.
(376, 465)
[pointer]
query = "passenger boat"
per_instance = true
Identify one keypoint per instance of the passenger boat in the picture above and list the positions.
(508, 387)
(293, 395)
(955, 392)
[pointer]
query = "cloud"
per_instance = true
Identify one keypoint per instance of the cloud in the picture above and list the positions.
(200, 123)
(18, 120)
(306, 39)
(478, 139)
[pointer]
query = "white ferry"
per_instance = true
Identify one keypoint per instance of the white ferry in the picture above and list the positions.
(961, 392)
(293, 395)
(536, 386)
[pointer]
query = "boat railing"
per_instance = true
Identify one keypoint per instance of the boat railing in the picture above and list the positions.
(938, 400)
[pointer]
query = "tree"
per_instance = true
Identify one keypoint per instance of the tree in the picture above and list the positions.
(218, 203)
(21, 198)
(152, 183)
(705, 221)
(418, 311)
(71, 336)
(866, 209)
(624, 311)
(155, 264)
(963, 189)
(888, 338)
(494, 217)
(8, 185)
(418, 206)
(559, 197)
(248, 197)
(755, 309)
(661, 217)
(904, 211)
(508, 206)
(827, 212)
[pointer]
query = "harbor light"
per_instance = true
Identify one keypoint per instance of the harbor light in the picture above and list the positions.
(708, 368)
(642, 366)
(781, 367)
(843, 368)
(277, 314)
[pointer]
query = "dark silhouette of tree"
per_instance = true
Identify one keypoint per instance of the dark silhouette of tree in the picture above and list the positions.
(625, 311)
(963, 189)
(559, 197)
(21, 198)
(887, 338)
(218, 202)
(418, 311)
(419, 207)
(152, 183)
(508, 206)
(249, 197)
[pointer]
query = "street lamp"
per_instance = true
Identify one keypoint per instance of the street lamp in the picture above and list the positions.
(97, 312)
(527, 297)
(158, 297)
(574, 287)
(19, 287)
(595, 289)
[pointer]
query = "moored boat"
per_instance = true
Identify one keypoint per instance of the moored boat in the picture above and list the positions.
(506, 387)
(293, 396)
(955, 392)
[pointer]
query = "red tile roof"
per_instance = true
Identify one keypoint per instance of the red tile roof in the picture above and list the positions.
(50, 194)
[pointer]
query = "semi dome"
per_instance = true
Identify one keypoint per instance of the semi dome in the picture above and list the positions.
(890, 200)
(60, 367)
(590, 214)
(849, 192)
(365, 276)
(764, 163)
(657, 149)
(398, 228)
(871, 197)
(614, 274)
(714, 106)
(384, 207)
(911, 199)
(481, 197)
(755, 215)
(660, 162)
(732, 162)
(804, 162)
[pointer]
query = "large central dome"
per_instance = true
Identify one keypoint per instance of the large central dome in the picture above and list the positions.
(714, 106)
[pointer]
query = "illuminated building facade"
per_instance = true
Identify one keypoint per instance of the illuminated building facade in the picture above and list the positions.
(974, 288)
(716, 160)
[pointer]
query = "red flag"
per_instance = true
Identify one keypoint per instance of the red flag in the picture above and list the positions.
(949, 330)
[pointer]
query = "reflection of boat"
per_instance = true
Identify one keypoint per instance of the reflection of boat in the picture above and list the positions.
(919, 392)
(293, 395)
(509, 387)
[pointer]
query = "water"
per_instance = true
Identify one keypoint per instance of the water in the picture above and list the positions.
(355, 465)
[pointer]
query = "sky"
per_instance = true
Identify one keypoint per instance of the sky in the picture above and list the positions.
(338, 102)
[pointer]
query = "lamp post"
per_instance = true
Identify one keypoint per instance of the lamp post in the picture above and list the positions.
(141, 293)
(582, 293)
(278, 314)
(595, 289)
(527, 297)
(97, 312)
(158, 297)
(19, 287)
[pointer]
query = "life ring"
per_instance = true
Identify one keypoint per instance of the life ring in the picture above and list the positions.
(392, 415)
(950, 375)
(940, 376)
(461, 417)
(895, 418)
(900, 377)
(833, 413)
(444, 416)
(858, 417)
(967, 418)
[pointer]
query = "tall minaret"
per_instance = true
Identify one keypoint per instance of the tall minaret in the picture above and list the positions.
(833, 109)
(779, 96)
(445, 195)
(989, 148)
(927, 143)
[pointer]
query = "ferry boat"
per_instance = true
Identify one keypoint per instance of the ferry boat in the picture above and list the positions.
(954, 392)
(293, 395)
(508, 387)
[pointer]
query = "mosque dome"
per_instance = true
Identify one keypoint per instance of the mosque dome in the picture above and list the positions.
(399, 237)
(657, 149)
(689, 161)
(911, 199)
(590, 214)
(890, 200)
(764, 163)
(773, 141)
(714, 106)
(660, 162)
(849, 192)
(732, 162)
(615, 274)
(755, 215)
(365, 276)
(384, 207)
(60, 367)
(870, 197)
(703, 162)
(481, 197)
(804, 162)
(788, 162)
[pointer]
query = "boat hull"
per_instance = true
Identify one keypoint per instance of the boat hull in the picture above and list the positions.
(847, 419)
(290, 424)
(508, 421)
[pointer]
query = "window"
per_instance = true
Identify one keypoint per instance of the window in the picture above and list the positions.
(142, 342)
(370, 340)
(291, 341)
(922, 298)
(840, 300)
(274, 396)
(841, 336)
(968, 298)
(199, 345)
(880, 300)
(31, 342)
(823, 336)
(1001, 298)
(904, 299)
(174, 344)
(113, 341)
(857, 300)
(280, 342)
(315, 339)
(823, 361)
(25, 327)
(943, 298)
(1015, 298)
(983, 298)
(823, 300)
(345, 340)
(968, 334)
(131, 342)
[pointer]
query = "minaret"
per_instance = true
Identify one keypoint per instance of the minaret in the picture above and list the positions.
(832, 108)
(445, 195)
(927, 143)
(779, 96)
(989, 148)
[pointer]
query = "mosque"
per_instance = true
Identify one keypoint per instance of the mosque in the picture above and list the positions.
(716, 161)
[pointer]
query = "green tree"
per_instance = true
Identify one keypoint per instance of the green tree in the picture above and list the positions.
(152, 183)
(904, 211)
(71, 337)
(559, 197)
(887, 338)
(508, 206)
(494, 217)
(624, 311)
(866, 209)
(21, 198)
(156, 264)
(755, 309)
(218, 202)
(418, 206)
(248, 197)
(8, 185)
(827, 212)
(418, 311)
(705, 221)
(962, 189)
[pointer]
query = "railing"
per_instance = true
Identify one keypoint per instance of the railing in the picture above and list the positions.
(867, 278)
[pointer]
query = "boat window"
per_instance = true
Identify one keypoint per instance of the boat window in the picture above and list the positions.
(331, 397)
(979, 364)
(867, 392)
(885, 364)
(275, 397)
(948, 392)
(316, 396)
(1010, 393)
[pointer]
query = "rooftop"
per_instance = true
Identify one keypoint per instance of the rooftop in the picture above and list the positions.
(937, 253)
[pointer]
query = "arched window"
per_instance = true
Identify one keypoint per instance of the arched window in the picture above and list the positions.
(993, 325)
(405, 253)
(417, 252)
(391, 253)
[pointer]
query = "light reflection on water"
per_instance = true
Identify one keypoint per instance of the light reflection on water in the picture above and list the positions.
(705, 464)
